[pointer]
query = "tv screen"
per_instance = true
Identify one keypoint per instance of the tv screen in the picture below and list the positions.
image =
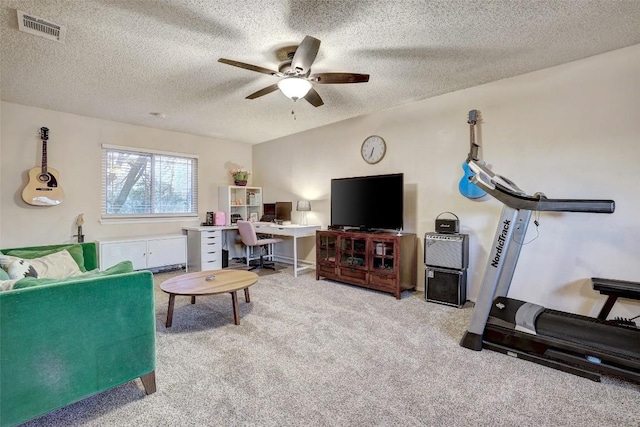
(368, 202)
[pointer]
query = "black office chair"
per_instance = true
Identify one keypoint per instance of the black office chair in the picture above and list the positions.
(250, 239)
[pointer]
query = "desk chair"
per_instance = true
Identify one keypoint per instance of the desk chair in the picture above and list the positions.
(250, 239)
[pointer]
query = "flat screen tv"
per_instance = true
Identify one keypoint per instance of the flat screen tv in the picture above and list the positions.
(368, 202)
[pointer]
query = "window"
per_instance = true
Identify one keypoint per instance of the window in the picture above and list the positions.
(139, 183)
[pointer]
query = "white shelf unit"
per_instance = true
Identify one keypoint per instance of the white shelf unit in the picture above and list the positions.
(239, 200)
(144, 252)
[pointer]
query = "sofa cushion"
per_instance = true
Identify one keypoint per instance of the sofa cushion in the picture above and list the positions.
(58, 265)
(74, 250)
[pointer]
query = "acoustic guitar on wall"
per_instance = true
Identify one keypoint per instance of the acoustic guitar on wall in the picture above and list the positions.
(466, 186)
(43, 188)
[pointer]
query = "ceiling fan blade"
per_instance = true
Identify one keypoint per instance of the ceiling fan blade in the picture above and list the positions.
(305, 55)
(264, 91)
(247, 66)
(331, 78)
(313, 98)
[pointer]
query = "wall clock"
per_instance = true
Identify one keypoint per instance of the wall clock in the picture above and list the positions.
(373, 149)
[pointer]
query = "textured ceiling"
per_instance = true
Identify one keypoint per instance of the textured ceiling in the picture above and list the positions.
(123, 60)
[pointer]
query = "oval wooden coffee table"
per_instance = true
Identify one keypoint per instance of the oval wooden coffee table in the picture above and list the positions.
(209, 283)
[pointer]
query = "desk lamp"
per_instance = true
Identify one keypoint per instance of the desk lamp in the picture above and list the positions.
(303, 206)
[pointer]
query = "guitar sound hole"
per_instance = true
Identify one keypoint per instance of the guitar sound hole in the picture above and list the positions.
(43, 177)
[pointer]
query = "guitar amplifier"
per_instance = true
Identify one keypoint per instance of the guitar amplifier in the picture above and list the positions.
(444, 286)
(446, 250)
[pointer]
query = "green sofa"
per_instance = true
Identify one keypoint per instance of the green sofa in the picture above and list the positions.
(64, 340)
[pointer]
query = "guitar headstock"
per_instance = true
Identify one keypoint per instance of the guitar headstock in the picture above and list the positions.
(473, 117)
(44, 133)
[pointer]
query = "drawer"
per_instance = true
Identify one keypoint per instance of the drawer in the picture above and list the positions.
(206, 235)
(359, 276)
(383, 282)
(213, 264)
(326, 269)
(209, 243)
(210, 256)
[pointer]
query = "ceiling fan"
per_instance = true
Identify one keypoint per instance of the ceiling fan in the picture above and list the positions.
(296, 80)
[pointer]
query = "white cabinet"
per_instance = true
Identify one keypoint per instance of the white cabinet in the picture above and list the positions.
(204, 248)
(112, 253)
(143, 252)
(240, 203)
(165, 251)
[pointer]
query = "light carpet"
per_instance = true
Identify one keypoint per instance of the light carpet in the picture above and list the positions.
(320, 353)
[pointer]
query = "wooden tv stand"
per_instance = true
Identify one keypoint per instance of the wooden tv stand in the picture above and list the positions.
(382, 261)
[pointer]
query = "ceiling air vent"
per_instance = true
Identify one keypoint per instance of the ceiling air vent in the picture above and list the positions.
(41, 27)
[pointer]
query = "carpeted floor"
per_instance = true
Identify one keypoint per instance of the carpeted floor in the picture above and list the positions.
(239, 265)
(319, 353)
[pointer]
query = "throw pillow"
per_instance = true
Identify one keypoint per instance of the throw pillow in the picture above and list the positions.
(119, 268)
(3, 274)
(19, 268)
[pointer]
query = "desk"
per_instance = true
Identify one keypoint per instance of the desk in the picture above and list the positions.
(294, 230)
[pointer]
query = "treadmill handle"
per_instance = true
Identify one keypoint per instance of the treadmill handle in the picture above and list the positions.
(573, 205)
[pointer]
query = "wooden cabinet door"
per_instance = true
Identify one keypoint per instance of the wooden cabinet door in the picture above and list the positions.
(326, 254)
(326, 248)
(383, 255)
(352, 258)
(353, 252)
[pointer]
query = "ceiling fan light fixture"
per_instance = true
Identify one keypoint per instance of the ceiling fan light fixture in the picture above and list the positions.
(294, 87)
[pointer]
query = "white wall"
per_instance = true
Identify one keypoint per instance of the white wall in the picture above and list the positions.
(74, 149)
(570, 131)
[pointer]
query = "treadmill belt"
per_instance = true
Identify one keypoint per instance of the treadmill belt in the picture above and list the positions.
(590, 332)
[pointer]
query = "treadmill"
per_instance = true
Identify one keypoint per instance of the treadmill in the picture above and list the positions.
(581, 345)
